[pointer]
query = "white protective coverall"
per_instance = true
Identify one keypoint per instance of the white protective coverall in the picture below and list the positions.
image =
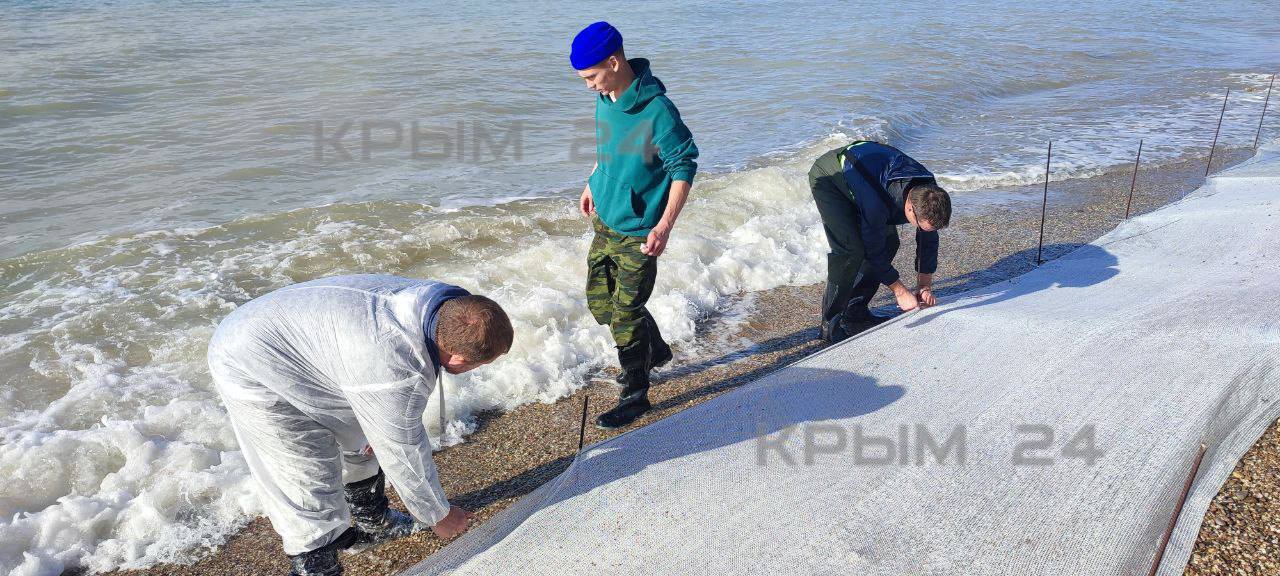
(314, 375)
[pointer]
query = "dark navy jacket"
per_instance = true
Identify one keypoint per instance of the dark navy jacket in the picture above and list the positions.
(878, 176)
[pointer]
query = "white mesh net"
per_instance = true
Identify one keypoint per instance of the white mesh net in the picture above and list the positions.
(1158, 337)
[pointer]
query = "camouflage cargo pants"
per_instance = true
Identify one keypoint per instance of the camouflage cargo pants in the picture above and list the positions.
(619, 281)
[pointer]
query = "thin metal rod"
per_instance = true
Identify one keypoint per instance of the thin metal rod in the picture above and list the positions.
(1133, 182)
(582, 428)
(440, 386)
(1215, 132)
(1264, 112)
(1044, 204)
(1168, 532)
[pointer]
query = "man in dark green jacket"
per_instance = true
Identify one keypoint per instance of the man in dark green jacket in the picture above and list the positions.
(644, 169)
(864, 191)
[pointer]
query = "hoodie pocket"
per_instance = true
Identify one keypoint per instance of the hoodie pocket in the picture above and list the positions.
(616, 202)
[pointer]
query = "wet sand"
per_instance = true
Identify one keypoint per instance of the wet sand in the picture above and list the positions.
(992, 238)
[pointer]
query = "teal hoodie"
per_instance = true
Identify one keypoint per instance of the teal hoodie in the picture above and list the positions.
(641, 147)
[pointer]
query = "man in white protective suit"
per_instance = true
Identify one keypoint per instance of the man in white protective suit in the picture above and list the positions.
(325, 384)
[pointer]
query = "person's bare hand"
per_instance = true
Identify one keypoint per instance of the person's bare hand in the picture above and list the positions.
(926, 298)
(657, 241)
(906, 300)
(452, 524)
(586, 205)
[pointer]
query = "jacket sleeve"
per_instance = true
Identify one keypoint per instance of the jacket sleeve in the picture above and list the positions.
(873, 221)
(926, 251)
(391, 417)
(676, 149)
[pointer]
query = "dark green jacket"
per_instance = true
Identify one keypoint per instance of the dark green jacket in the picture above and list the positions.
(641, 147)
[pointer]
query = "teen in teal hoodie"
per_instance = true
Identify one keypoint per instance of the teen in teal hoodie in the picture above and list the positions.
(642, 146)
(644, 169)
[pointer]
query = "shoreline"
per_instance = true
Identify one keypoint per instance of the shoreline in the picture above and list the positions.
(510, 454)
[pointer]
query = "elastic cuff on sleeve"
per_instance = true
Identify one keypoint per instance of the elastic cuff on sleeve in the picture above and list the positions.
(686, 175)
(435, 515)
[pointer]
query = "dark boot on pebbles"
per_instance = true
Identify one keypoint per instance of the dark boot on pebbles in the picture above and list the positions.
(373, 517)
(323, 561)
(633, 402)
(857, 317)
(659, 351)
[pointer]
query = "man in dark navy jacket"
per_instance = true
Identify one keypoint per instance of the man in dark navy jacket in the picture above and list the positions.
(864, 191)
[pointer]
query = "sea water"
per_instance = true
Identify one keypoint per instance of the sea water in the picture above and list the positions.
(162, 163)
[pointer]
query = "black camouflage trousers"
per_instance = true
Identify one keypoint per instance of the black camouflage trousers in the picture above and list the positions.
(619, 282)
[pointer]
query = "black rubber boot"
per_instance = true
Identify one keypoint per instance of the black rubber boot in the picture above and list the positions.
(659, 351)
(858, 317)
(832, 331)
(633, 402)
(374, 519)
(322, 561)
(842, 272)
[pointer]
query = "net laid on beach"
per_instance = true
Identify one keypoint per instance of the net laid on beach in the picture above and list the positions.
(1041, 425)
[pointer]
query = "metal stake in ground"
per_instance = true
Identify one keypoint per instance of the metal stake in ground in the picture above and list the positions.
(1133, 182)
(1044, 204)
(582, 428)
(1264, 112)
(1177, 511)
(1215, 132)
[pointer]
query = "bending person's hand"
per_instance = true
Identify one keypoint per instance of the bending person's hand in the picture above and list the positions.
(906, 300)
(925, 296)
(453, 524)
